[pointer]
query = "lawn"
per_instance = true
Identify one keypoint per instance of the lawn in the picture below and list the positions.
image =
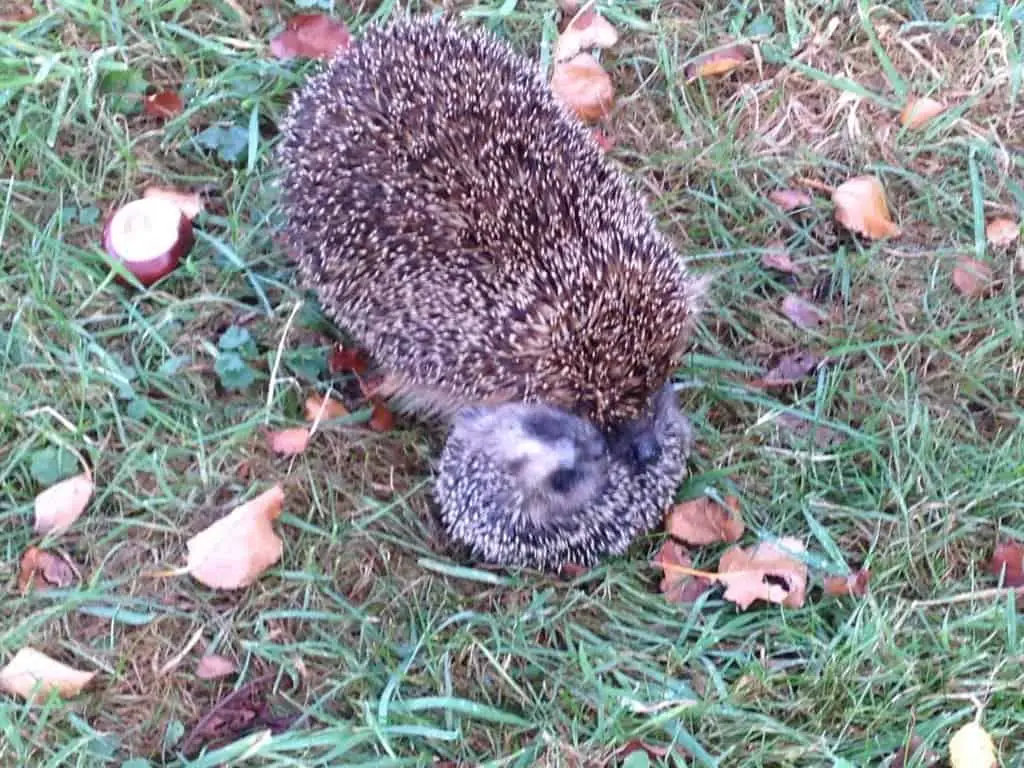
(369, 643)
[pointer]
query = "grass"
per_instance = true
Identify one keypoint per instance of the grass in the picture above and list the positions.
(393, 652)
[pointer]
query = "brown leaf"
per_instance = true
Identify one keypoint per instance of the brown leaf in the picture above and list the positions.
(311, 36)
(918, 112)
(381, 419)
(40, 568)
(802, 313)
(1008, 555)
(588, 30)
(1002, 231)
(584, 87)
(679, 587)
(718, 62)
(861, 207)
(17, 13)
(212, 666)
(704, 521)
(823, 437)
(971, 277)
(30, 667)
(323, 408)
(764, 572)
(347, 360)
(777, 257)
(189, 203)
(288, 442)
(855, 585)
(791, 199)
(234, 551)
(163, 104)
(790, 370)
(62, 504)
(906, 752)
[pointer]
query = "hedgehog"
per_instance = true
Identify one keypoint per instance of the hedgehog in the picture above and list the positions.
(464, 227)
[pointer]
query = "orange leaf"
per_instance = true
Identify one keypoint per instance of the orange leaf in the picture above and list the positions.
(746, 574)
(861, 207)
(704, 521)
(679, 587)
(856, 584)
(717, 62)
(30, 668)
(163, 104)
(62, 504)
(347, 359)
(918, 112)
(212, 666)
(288, 442)
(189, 203)
(323, 408)
(972, 277)
(381, 419)
(789, 199)
(39, 568)
(1002, 231)
(234, 551)
(588, 30)
(584, 87)
(311, 36)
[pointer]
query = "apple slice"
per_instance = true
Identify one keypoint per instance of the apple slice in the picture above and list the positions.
(149, 236)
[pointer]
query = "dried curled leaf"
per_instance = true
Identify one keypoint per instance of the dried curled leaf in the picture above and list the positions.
(1002, 231)
(60, 505)
(920, 111)
(972, 747)
(791, 199)
(802, 313)
(720, 61)
(971, 277)
(861, 207)
(40, 568)
(854, 585)
(290, 441)
(323, 408)
(212, 666)
(588, 30)
(765, 572)
(234, 551)
(679, 587)
(189, 203)
(584, 87)
(311, 36)
(163, 104)
(704, 521)
(30, 668)
(789, 370)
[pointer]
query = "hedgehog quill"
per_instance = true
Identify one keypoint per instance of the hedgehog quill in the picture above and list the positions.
(466, 229)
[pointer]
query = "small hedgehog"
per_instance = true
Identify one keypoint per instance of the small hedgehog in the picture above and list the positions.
(454, 217)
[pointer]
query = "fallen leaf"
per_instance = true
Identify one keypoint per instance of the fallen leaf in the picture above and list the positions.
(764, 572)
(790, 370)
(777, 257)
(854, 585)
(861, 207)
(381, 419)
(288, 442)
(189, 203)
(917, 112)
(311, 36)
(1002, 231)
(30, 667)
(163, 104)
(584, 87)
(603, 140)
(679, 587)
(902, 755)
(234, 551)
(717, 62)
(802, 313)
(323, 408)
(212, 666)
(61, 504)
(972, 747)
(790, 199)
(588, 30)
(704, 521)
(17, 13)
(347, 359)
(40, 568)
(1008, 556)
(822, 437)
(972, 277)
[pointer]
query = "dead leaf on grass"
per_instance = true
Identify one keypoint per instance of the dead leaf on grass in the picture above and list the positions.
(41, 568)
(319, 408)
(822, 436)
(902, 755)
(676, 585)
(189, 203)
(919, 112)
(60, 505)
(311, 36)
(972, 747)
(802, 313)
(588, 30)
(861, 206)
(776, 256)
(236, 549)
(1002, 231)
(163, 104)
(764, 572)
(854, 585)
(971, 277)
(791, 199)
(213, 666)
(347, 360)
(290, 441)
(789, 370)
(717, 62)
(584, 87)
(1007, 561)
(704, 521)
(30, 668)
(17, 13)
(381, 419)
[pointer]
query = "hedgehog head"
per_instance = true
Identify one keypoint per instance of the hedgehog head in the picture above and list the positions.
(536, 486)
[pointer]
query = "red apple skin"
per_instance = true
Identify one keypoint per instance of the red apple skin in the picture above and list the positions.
(148, 272)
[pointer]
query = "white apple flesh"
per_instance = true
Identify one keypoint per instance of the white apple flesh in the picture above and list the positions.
(149, 237)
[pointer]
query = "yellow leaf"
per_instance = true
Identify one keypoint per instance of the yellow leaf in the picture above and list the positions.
(234, 551)
(861, 207)
(972, 747)
(61, 504)
(30, 668)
